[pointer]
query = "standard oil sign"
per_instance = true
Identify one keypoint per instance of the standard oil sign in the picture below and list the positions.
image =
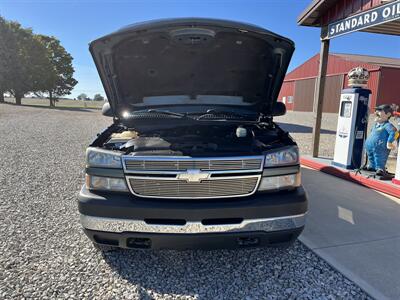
(379, 15)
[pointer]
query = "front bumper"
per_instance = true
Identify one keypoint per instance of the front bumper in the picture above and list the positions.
(237, 225)
(207, 241)
(127, 221)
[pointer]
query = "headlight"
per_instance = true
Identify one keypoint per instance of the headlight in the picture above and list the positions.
(282, 157)
(280, 182)
(103, 158)
(106, 183)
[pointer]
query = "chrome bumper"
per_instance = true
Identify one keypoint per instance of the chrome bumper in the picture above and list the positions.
(125, 225)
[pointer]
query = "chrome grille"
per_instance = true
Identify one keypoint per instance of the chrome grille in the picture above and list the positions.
(219, 187)
(136, 164)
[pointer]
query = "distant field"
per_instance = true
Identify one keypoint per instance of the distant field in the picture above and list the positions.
(60, 103)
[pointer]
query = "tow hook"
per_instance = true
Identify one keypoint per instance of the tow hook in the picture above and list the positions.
(141, 243)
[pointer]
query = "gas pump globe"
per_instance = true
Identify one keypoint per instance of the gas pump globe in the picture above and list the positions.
(352, 120)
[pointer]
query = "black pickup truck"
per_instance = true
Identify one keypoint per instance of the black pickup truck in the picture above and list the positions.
(192, 158)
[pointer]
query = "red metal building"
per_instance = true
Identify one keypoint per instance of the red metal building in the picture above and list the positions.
(299, 86)
(339, 17)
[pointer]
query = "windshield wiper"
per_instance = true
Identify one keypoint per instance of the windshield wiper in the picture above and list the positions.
(221, 114)
(151, 113)
(166, 112)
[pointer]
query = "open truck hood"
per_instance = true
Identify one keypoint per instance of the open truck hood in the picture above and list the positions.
(190, 62)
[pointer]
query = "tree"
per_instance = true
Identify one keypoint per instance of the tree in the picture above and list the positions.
(98, 97)
(24, 60)
(59, 80)
(82, 96)
(5, 53)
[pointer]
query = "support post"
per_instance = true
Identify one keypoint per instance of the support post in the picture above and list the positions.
(319, 96)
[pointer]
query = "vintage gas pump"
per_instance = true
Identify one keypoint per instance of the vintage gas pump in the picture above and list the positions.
(352, 121)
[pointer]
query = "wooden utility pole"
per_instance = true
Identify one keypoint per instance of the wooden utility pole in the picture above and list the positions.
(319, 95)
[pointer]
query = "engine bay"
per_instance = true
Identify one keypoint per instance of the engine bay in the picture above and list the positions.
(201, 140)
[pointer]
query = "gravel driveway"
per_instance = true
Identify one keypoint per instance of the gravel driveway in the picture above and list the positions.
(44, 253)
(300, 124)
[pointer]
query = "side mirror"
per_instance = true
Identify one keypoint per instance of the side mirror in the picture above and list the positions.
(106, 110)
(279, 109)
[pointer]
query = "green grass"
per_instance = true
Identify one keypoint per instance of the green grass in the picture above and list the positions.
(60, 103)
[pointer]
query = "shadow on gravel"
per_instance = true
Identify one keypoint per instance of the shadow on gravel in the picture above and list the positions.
(293, 128)
(195, 273)
(80, 109)
(211, 274)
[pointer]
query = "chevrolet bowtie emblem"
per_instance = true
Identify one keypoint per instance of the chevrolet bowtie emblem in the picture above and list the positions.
(193, 175)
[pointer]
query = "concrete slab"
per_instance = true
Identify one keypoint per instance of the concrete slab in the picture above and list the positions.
(342, 212)
(363, 178)
(375, 264)
(356, 229)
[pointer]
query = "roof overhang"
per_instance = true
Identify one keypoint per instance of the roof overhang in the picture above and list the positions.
(316, 11)
(392, 28)
(312, 14)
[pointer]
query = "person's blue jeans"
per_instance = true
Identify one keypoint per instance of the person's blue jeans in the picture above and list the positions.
(377, 156)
